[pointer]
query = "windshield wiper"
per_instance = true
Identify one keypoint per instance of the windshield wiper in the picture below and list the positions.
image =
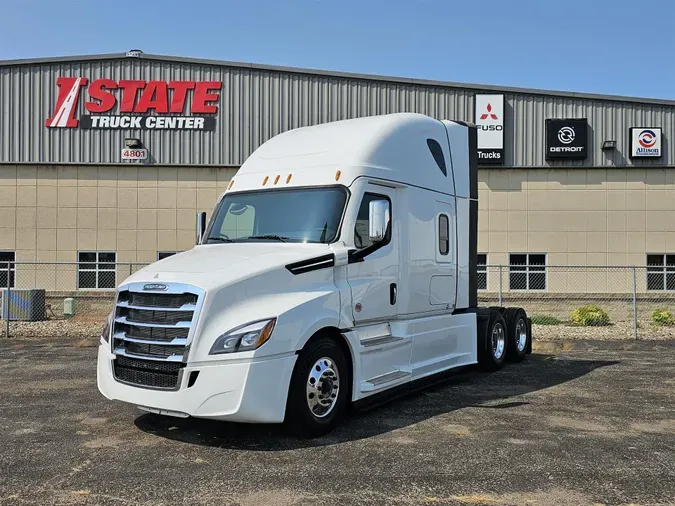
(271, 237)
(219, 239)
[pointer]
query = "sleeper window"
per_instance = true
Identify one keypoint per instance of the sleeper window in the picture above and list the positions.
(443, 234)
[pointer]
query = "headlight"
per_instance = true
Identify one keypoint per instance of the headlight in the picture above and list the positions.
(245, 338)
(105, 333)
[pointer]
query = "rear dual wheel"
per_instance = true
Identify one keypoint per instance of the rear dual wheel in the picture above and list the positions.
(507, 338)
(493, 352)
(518, 332)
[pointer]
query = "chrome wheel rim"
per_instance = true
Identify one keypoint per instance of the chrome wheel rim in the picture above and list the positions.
(521, 335)
(498, 341)
(323, 387)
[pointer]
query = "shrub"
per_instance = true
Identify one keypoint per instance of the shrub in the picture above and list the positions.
(545, 320)
(662, 317)
(590, 315)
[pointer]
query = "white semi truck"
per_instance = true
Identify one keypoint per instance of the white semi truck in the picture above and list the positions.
(340, 264)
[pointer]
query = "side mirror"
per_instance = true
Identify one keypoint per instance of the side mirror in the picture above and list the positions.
(201, 226)
(378, 219)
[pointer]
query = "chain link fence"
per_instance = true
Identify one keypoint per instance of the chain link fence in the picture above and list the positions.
(59, 299)
(72, 299)
(586, 302)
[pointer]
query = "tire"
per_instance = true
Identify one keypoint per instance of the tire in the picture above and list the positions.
(518, 332)
(494, 347)
(309, 413)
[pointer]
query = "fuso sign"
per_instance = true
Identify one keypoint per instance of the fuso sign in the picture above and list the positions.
(489, 119)
(133, 100)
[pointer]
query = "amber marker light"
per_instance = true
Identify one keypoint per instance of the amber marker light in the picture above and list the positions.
(288, 179)
(230, 185)
(265, 180)
(337, 175)
(276, 179)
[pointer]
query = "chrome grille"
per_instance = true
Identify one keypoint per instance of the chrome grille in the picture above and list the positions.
(145, 373)
(150, 334)
(155, 350)
(163, 300)
(157, 316)
(153, 333)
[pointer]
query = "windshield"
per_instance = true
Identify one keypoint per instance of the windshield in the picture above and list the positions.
(299, 215)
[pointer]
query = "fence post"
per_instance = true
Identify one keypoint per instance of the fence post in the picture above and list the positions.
(9, 287)
(635, 322)
(500, 286)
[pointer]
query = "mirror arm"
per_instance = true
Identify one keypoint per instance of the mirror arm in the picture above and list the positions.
(201, 226)
(358, 255)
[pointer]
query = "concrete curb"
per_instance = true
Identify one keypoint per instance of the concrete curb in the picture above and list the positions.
(556, 345)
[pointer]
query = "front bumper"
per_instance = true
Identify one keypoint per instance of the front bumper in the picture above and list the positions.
(247, 390)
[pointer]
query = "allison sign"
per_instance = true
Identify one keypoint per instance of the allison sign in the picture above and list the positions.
(489, 118)
(645, 142)
(133, 101)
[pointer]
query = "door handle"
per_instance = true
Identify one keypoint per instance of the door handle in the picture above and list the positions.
(392, 294)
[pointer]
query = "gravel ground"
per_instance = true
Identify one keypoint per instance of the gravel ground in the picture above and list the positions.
(579, 427)
(90, 327)
(78, 327)
(614, 331)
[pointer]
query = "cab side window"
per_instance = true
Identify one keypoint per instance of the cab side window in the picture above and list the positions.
(362, 227)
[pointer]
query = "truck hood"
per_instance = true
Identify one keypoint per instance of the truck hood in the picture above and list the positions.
(214, 265)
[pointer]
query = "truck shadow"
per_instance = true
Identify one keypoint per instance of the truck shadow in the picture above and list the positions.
(456, 390)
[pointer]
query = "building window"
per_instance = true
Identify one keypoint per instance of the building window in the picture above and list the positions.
(481, 267)
(165, 254)
(437, 153)
(443, 234)
(7, 259)
(661, 272)
(96, 269)
(527, 271)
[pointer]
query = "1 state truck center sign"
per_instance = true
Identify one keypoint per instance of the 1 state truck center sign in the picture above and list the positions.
(489, 119)
(133, 100)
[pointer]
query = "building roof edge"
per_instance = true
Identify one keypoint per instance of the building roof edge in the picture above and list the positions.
(341, 74)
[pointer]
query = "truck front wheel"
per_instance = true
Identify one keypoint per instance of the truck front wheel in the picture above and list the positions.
(318, 391)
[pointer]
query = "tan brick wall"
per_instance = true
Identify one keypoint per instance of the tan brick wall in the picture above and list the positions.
(577, 216)
(52, 212)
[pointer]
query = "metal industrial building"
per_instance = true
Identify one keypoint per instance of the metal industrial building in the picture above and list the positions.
(595, 188)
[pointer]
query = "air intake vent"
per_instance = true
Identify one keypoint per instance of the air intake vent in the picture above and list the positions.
(312, 264)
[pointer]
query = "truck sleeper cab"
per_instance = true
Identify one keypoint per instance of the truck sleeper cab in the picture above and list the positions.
(339, 264)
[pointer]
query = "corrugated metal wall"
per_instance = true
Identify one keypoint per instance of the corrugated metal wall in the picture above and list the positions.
(256, 104)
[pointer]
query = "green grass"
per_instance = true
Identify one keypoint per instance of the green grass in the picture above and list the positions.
(545, 320)
(662, 317)
(589, 316)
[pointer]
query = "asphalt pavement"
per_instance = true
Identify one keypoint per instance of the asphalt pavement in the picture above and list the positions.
(591, 425)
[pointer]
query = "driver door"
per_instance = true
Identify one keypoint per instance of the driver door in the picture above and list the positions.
(374, 277)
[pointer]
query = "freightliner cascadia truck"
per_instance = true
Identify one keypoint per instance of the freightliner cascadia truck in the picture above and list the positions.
(338, 266)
